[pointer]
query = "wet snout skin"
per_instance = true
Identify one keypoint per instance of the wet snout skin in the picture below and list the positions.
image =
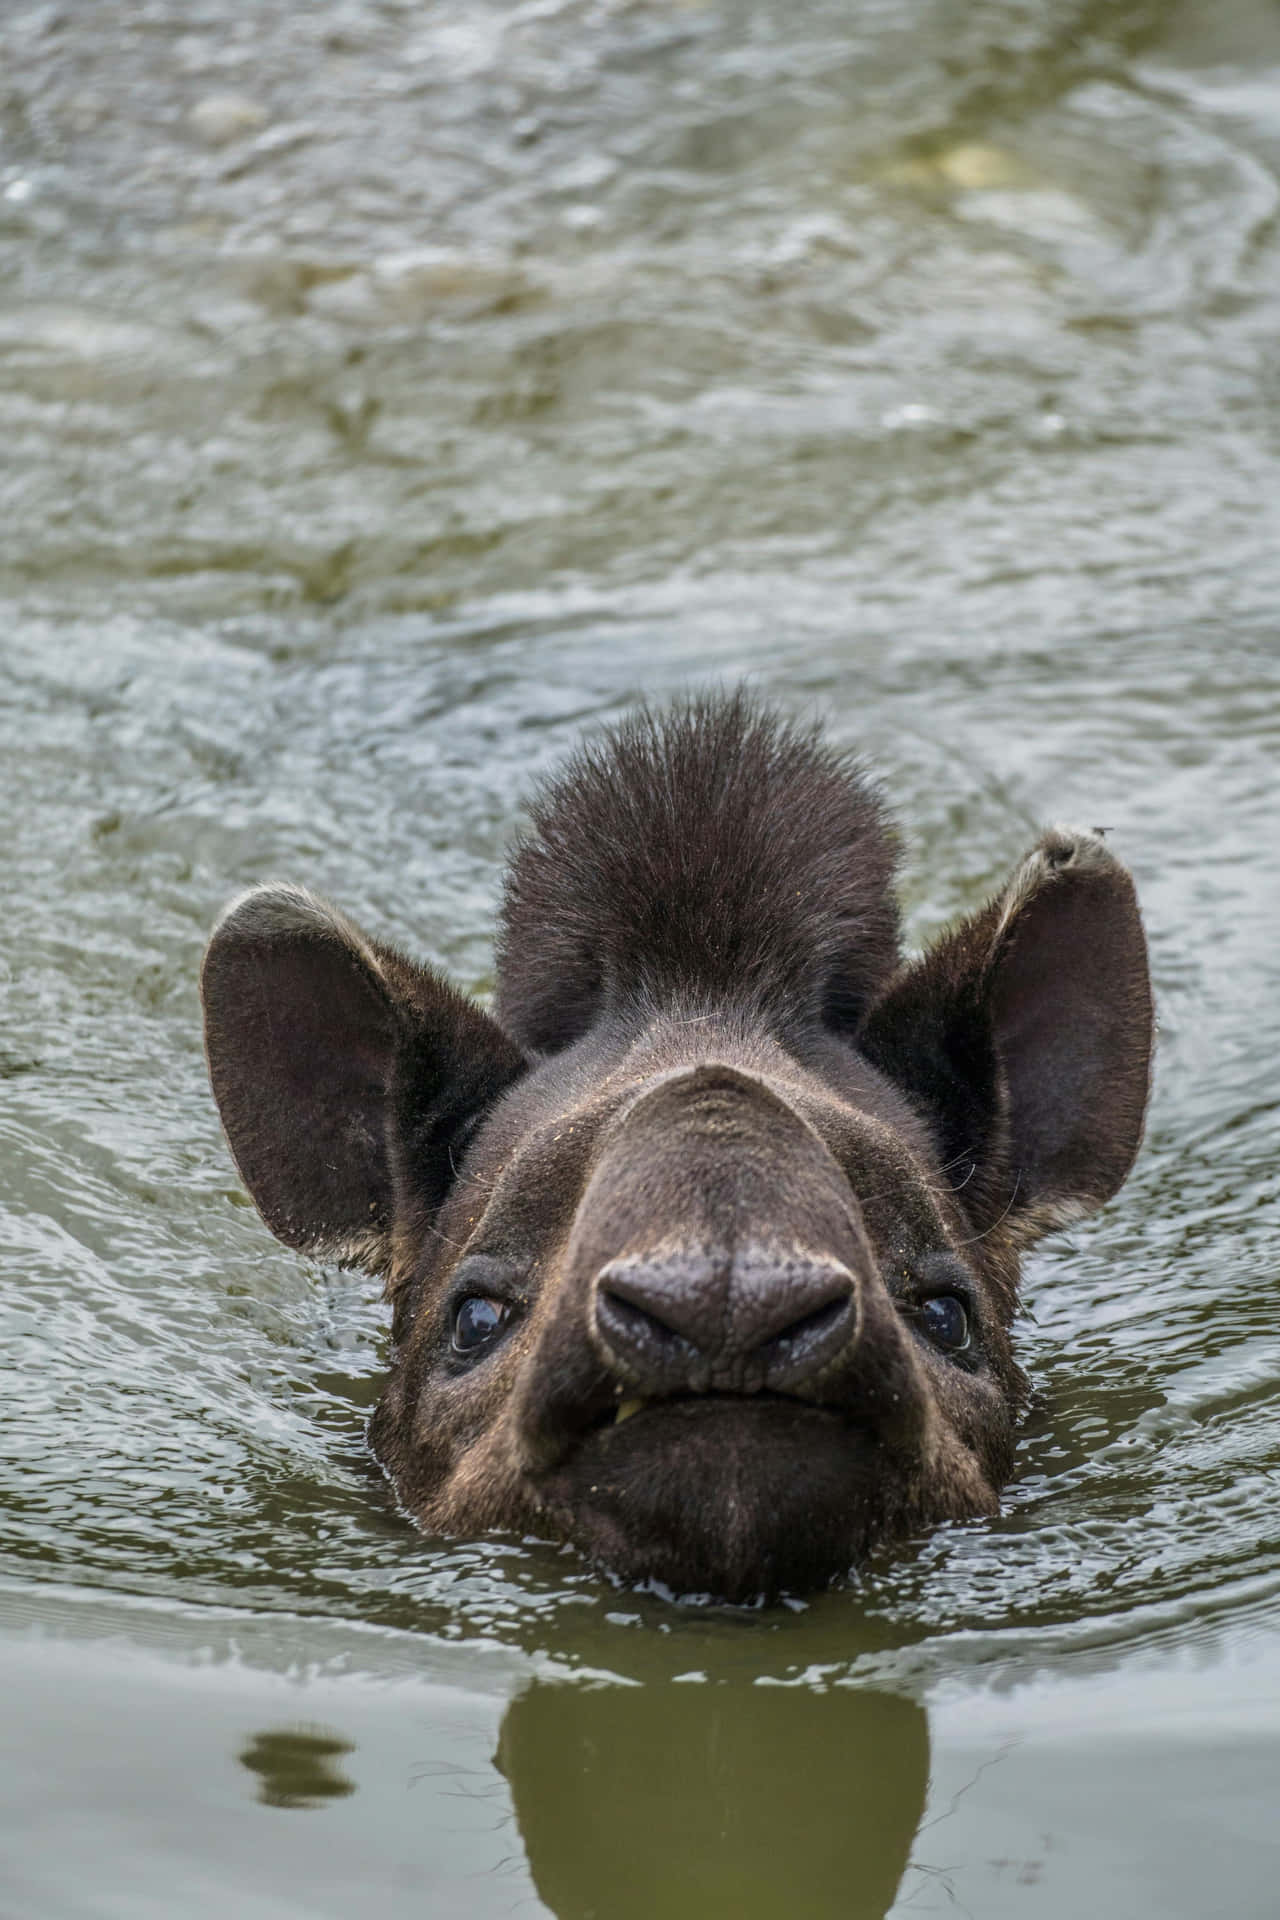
(721, 1243)
(715, 1319)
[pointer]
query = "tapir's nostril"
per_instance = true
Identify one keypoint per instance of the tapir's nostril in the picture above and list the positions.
(657, 1316)
(811, 1327)
(814, 1336)
(628, 1324)
(689, 1321)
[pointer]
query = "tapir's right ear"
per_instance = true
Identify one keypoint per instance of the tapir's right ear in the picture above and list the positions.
(341, 1070)
(1024, 1035)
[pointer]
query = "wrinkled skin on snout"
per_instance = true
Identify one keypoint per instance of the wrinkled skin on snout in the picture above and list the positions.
(705, 1268)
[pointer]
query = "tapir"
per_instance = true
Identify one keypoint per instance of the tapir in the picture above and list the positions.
(702, 1246)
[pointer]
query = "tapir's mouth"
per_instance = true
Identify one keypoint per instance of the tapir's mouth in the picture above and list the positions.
(634, 1424)
(728, 1494)
(730, 1436)
(703, 1404)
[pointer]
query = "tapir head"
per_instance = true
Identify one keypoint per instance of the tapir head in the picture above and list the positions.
(703, 1250)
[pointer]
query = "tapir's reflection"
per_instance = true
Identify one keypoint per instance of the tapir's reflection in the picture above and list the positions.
(748, 1801)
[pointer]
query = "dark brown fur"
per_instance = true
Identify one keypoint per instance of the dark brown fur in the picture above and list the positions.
(713, 1160)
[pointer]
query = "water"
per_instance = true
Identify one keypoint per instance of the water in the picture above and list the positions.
(387, 392)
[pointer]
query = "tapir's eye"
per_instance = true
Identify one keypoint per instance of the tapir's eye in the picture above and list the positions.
(476, 1320)
(945, 1318)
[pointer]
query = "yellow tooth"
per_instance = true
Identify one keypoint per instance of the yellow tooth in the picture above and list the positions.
(626, 1408)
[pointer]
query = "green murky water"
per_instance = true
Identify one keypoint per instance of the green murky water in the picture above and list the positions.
(387, 391)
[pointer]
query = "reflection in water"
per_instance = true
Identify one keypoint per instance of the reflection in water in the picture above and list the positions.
(295, 1766)
(704, 1801)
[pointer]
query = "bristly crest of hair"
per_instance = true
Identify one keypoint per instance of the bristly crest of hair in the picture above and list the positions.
(716, 853)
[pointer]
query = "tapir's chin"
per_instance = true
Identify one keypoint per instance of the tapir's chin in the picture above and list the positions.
(734, 1498)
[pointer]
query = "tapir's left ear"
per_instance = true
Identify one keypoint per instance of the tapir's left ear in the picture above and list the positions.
(1025, 1037)
(343, 1072)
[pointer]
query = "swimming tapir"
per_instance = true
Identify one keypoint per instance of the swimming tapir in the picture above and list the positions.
(703, 1245)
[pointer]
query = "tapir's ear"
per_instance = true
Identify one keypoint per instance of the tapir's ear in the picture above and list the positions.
(1025, 1036)
(341, 1070)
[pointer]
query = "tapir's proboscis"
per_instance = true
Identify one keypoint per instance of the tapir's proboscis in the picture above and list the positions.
(703, 1246)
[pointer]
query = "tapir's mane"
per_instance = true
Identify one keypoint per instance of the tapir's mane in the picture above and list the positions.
(716, 853)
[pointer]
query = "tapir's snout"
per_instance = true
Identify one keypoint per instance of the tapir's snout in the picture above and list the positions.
(720, 1286)
(719, 1247)
(704, 1320)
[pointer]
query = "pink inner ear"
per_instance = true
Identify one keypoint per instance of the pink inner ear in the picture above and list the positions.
(1070, 1002)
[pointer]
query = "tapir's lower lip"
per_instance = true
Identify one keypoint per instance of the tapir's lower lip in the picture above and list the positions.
(732, 1495)
(605, 1415)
